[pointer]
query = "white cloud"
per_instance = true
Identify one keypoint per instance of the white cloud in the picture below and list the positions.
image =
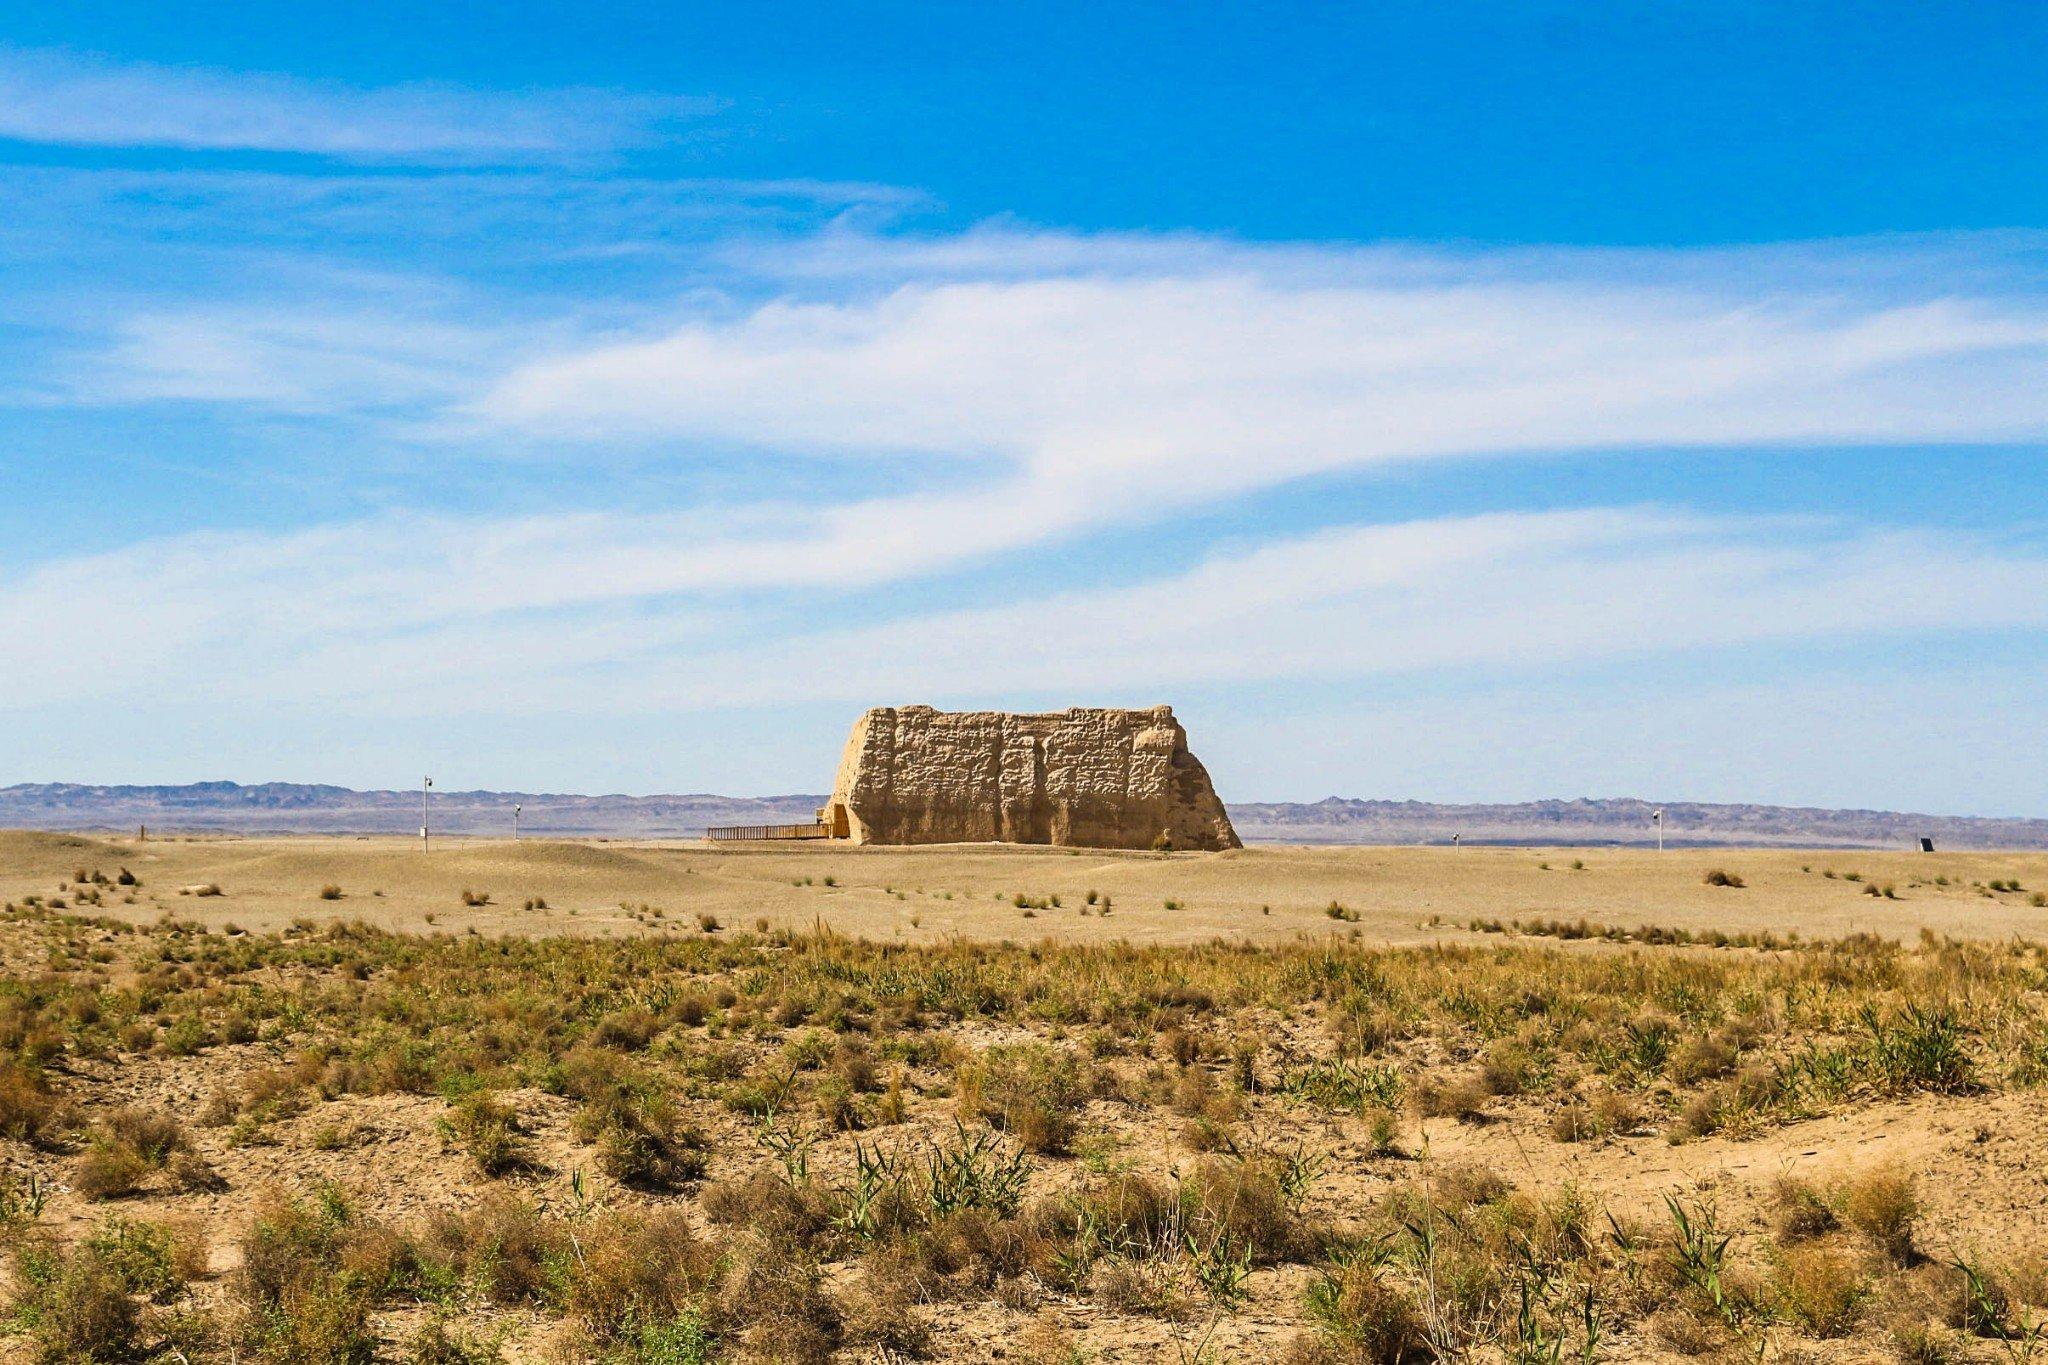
(79, 100)
(316, 361)
(1502, 591)
(597, 614)
(1144, 377)
(1031, 396)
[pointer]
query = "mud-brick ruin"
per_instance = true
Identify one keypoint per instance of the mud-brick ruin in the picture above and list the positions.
(1087, 777)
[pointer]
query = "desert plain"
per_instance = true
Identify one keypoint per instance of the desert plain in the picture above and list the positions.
(1261, 894)
(342, 1099)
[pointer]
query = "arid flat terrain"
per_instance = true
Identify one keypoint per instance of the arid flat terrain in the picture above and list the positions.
(812, 1104)
(1262, 894)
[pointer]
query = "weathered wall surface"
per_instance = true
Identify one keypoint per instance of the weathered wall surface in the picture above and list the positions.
(1090, 777)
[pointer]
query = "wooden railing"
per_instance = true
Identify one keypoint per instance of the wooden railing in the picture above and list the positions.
(724, 833)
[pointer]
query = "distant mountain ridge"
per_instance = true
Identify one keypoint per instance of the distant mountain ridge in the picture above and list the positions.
(306, 808)
(313, 808)
(1622, 820)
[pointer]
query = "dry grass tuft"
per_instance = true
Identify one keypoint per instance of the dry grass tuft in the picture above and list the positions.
(1031, 1091)
(1882, 1205)
(1821, 1286)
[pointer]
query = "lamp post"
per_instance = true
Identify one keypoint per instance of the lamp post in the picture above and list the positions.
(425, 783)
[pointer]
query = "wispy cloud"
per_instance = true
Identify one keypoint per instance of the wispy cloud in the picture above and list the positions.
(1532, 591)
(1091, 388)
(977, 402)
(83, 100)
(1060, 385)
(1195, 370)
(311, 363)
(601, 613)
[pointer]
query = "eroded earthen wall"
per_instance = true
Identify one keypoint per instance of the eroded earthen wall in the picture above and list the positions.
(1092, 777)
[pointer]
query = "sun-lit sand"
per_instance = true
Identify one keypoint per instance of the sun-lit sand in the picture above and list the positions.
(1266, 894)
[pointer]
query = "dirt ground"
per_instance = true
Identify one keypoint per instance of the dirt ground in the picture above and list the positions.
(1168, 1091)
(1261, 894)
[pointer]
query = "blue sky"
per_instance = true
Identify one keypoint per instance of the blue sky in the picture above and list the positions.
(1457, 402)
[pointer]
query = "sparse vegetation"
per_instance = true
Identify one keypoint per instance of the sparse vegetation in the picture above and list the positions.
(736, 1145)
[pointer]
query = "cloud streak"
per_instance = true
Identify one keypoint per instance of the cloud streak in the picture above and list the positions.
(922, 409)
(592, 613)
(81, 100)
(1148, 378)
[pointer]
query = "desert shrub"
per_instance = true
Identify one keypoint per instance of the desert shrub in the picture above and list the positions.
(154, 1260)
(186, 1035)
(128, 1145)
(1031, 1091)
(646, 1283)
(110, 1171)
(776, 1302)
(1803, 1212)
(1241, 1205)
(503, 1249)
(1362, 1316)
(1211, 1111)
(311, 1271)
(1719, 877)
(1608, 1113)
(1734, 1105)
(1138, 1285)
(1691, 1332)
(1464, 1099)
(835, 1106)
(1921, 1309)
(330, 892)
(641, 1139)
(1469, 1184)
(1508, 1068)
(435, 1344)
(781, 1210)
(1917, 1048)
(1128, 1215)
(489, 1131)
(626, 1030)
(29, 1110)
(854, 1063)
(1574, 1123)
(153, 1135)
(73, 1305)
(879, 1312)
(1881, 1204)
(1821, 1286)
(324, 1320)
(1703, 1059)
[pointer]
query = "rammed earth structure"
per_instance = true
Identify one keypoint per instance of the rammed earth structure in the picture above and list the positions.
(1092, 777)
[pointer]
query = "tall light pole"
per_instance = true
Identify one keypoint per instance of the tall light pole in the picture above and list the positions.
(425, 783)
(515, 823)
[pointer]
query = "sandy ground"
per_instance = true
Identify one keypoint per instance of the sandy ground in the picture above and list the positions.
(1983, 1187)
(1267, 893)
